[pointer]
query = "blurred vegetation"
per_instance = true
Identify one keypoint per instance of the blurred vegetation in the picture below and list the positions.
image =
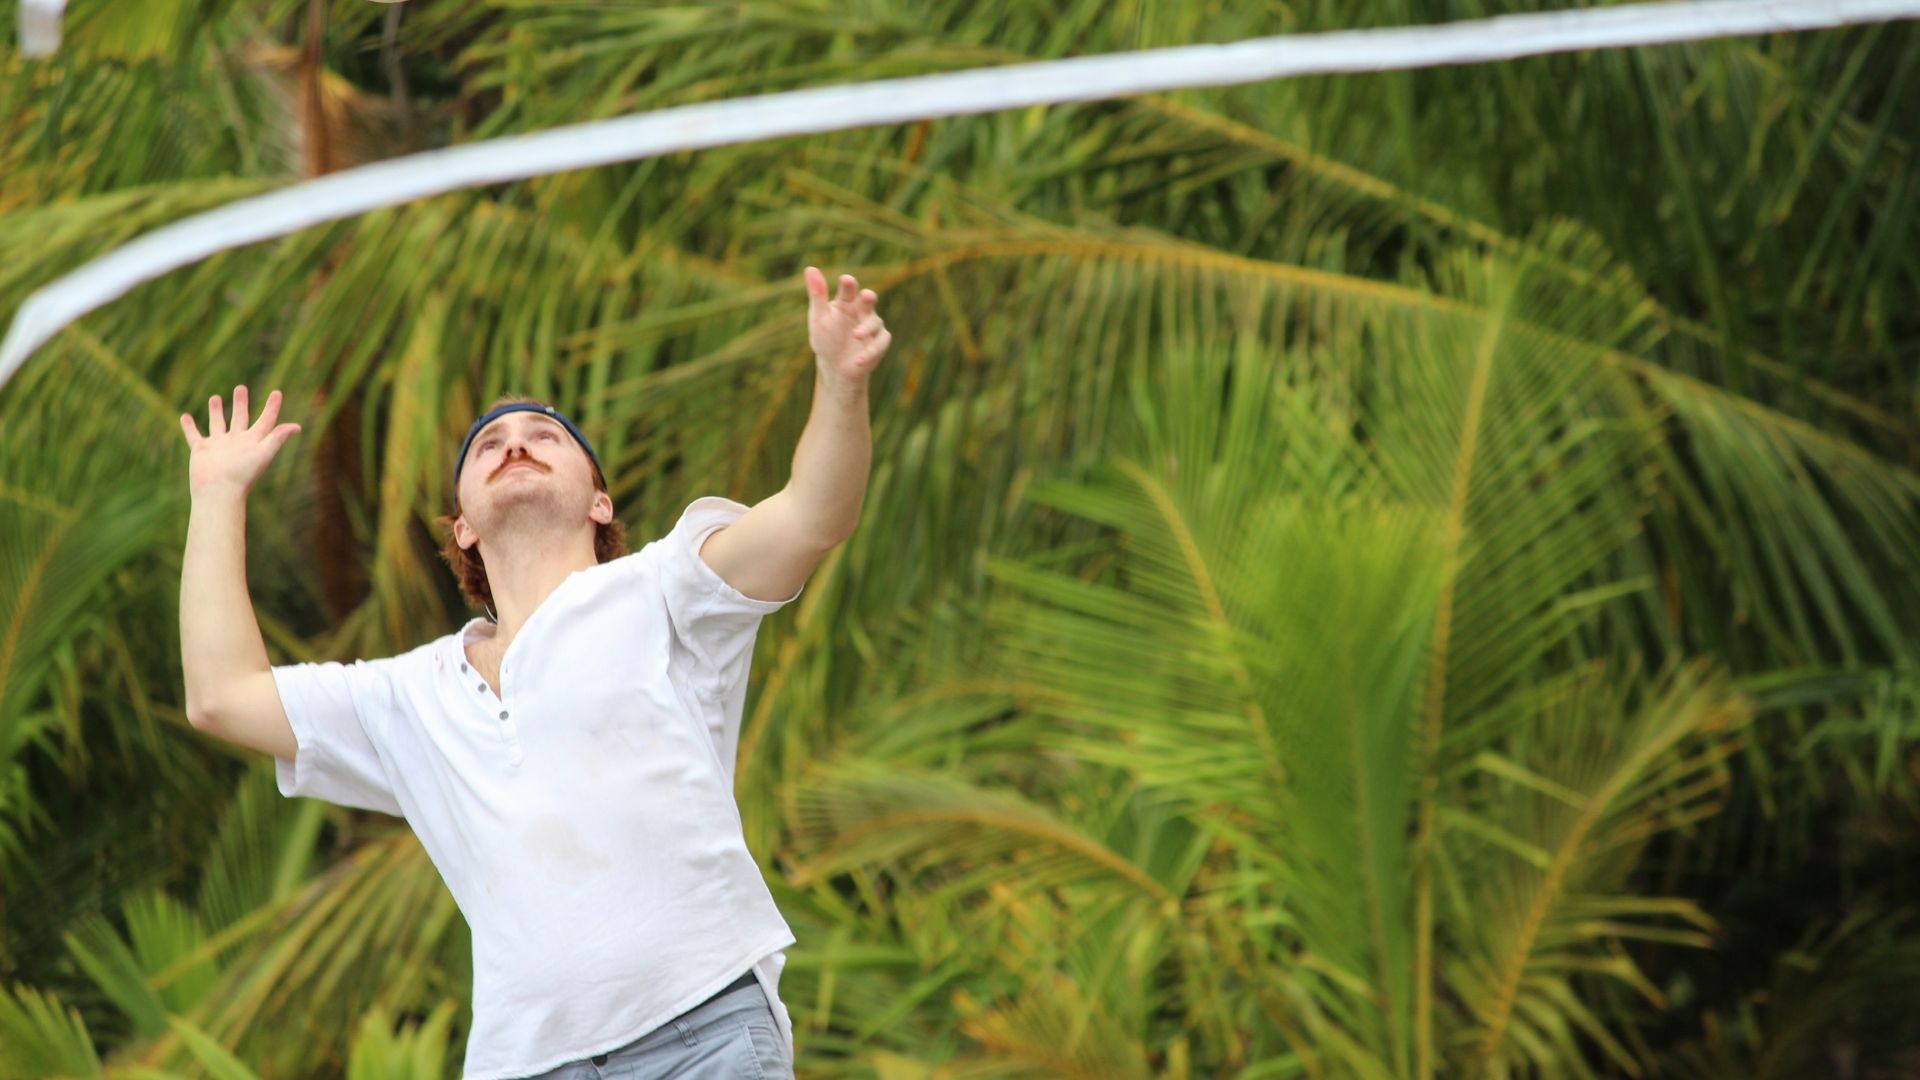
(1379, 576)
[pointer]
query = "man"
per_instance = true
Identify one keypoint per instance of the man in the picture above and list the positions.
(568, 764)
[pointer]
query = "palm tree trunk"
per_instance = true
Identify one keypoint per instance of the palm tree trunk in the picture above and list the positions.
(341, 564)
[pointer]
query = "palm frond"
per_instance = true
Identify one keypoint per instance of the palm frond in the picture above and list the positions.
(1053, 1032)
(40, 1036)
(411, 1052)
(219, 1062)
(1591, 780)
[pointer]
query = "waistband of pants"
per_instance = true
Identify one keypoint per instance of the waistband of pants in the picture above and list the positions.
(740, 983)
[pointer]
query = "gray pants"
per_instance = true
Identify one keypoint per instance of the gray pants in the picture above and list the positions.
(730, 1036)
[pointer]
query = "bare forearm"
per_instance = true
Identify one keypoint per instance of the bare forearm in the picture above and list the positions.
(832, 460)
(220, 640)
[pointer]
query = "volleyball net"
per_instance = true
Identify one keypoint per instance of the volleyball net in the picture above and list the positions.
(887, 101)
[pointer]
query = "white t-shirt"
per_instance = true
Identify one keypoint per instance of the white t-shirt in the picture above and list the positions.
(584, 820)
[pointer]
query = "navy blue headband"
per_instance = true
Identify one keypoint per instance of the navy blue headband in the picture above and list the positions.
(521, 406)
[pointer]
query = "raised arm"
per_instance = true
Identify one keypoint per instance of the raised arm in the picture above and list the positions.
(771, 549)
(230, 688)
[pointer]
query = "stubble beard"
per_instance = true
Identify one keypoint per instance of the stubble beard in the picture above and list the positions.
(527, 509)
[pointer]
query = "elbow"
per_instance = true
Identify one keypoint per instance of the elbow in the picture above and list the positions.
(837, 532)
(200, 716)
(820, 524)
(819, 538)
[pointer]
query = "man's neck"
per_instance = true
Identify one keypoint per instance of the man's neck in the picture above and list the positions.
(521, 579)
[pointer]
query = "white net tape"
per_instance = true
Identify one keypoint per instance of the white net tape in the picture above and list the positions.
(888, 101)
(40, 26)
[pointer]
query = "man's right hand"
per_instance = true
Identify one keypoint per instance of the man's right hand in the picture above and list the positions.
(224, 460)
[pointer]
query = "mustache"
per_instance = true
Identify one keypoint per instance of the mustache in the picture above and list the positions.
(497, 473)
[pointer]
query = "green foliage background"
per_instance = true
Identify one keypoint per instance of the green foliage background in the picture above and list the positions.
(1379, 576)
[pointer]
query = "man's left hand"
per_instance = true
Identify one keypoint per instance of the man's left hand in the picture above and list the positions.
(848, 338)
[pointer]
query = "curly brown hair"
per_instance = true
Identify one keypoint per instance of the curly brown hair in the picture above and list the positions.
(609, 540)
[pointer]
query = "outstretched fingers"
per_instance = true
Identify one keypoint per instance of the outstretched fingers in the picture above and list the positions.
(269, 413)
(816, 289)
(217, 424)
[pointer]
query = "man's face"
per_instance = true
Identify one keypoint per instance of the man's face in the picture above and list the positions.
(525, 472)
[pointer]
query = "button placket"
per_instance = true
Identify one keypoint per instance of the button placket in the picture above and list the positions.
(508, 735)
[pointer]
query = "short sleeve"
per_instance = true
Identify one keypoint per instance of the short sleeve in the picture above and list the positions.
(715, 621)
(338, 713)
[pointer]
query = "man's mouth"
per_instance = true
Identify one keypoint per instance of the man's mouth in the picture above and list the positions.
(519, 465)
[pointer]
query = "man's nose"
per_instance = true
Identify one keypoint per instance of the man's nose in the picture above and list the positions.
(516, 452)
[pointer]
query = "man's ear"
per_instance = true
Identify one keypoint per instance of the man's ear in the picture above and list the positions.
(462, 534)
(602, 509)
